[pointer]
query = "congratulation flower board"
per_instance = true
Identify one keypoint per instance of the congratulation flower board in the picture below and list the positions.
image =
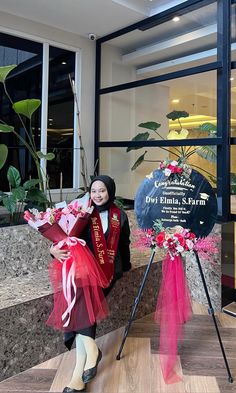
(177, 195)
(176, 208)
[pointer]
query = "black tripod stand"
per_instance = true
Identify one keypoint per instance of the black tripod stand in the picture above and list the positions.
(210, 311)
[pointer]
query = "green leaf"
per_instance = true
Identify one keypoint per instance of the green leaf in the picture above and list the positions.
(19, 193)
(208, 152)
(4, 71)
(208, 127)
(26, 107)
(30, 183)
(139, 137)
(233, 189)
(6, 128)
(233, 178)
(150, 125)
(158, 226)
(13, 176)
(3, 154)
(10, 203)
(174, 115)
(36, 195)
(2, 195)
(48, 156)
(139, 161)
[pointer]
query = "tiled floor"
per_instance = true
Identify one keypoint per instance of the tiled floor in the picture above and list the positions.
(200, 361)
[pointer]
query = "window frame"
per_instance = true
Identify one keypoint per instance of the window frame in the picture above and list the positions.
(223, 68)
(44, 100)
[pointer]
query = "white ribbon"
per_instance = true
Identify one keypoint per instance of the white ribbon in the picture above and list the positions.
(68, 280)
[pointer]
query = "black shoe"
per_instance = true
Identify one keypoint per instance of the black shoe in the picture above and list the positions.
(71, 390)
(91, 372)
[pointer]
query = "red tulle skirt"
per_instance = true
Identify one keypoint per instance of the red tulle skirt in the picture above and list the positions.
(78, 296)
(173, 309)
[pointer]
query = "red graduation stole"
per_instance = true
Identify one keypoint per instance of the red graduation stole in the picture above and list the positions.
(105, 251)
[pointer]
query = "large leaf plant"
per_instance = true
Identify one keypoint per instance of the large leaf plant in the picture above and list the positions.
(21, 195)
(182, 153)
(23, 109)
(32, 191)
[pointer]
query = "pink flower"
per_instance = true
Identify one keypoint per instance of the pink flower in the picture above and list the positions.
(28, 216)
(149, 232)
(167, 172)
(179, 170)
(171, 167)
(180, 238)
(190, 244)
(160, 238)
(58, 214)
(179, 249)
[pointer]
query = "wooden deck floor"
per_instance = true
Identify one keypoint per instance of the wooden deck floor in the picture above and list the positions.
(200, 362)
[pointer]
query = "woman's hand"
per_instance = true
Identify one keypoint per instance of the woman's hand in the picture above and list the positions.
(61, 255)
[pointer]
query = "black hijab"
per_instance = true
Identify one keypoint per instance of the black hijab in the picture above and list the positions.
(111, 189)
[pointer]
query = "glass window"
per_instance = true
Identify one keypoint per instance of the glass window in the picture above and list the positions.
(189, 41)
(233, 103)
(233, 179)
(233, 32)
(60, 117)
(122, 112)
(23, 82)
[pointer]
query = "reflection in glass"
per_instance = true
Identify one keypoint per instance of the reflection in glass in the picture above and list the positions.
(123, 111)
(233, 103)
(233, 178)
(164, 48)
(60, 118)
(233, 32)
(22, 83)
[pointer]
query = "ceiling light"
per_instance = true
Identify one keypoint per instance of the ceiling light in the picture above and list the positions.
(231, 79)
(63, 62)
(176, 19)
(175, 101)
(50, 119)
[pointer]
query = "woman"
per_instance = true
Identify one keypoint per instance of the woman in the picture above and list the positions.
(107, 236)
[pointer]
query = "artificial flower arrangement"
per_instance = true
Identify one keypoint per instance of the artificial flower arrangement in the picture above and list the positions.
(79, 272)
(54, 223)
(176, 240)
(173, 167)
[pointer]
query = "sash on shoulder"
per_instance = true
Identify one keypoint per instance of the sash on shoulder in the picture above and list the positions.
(105, 251)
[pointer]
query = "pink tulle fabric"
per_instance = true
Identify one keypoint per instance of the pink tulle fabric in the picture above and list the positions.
(87, 295)
(173, 309)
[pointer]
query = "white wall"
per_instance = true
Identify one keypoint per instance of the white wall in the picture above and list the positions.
(11, 24)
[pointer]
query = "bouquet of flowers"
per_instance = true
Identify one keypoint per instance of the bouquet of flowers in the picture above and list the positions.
(78, 280)
(178, 242)
(55, 223)
(172, 167)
